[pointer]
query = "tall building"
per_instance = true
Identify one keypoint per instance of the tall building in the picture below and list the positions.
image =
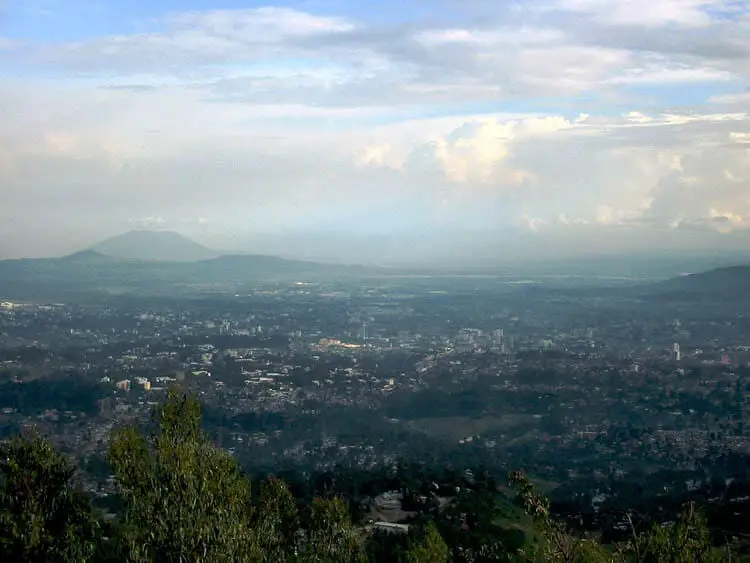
(498, 336)
(676, 356)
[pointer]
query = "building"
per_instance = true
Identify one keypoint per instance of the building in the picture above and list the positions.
(143, 382)
(391, 528)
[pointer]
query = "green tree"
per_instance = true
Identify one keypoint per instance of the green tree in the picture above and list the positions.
(330, 534)
(554, 542)
(429, 549)
(185, 500)
(276, 521)
(43, 517)
(685, 541)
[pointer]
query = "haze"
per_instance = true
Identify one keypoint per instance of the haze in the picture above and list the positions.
(388, 131)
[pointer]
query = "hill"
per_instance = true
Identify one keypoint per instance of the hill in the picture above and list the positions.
(162, 246)
(720, 283)
(91, 273)
(85, 257)
(454, 515)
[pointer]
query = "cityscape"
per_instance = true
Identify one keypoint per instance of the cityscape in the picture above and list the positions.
(324, 281)
(590, 390)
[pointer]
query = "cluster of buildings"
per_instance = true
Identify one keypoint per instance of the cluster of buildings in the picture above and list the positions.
(615, 380)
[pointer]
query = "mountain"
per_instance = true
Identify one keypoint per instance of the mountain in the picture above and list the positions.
(160, 246)
(85, 257)
(238, 270)
(91, 274)
(730, 282)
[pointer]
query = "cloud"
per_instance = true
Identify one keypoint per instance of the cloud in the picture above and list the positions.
(646, 13)
(148, 222)
(194, 38)
(739, 101)
(139, 153)
(707, 189)
(553, 117)
(477, 153)
(332, 61)
(267, 24)
(533, 223)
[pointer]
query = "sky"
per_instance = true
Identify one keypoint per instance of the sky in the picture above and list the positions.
(397, 130)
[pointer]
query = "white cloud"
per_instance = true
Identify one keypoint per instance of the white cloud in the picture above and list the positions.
(261, 25)
(280, 118)
(148, 222)
(740, 98)
(671, 76)
(169, 154)
(564, 219)
(197, 38)
(533, 224)
(381, 155)
(649, 13)
(507, 36)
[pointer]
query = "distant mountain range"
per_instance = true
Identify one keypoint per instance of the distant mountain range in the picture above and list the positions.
(167, 263)
(159, 246)
(731, 282)
(153, 263)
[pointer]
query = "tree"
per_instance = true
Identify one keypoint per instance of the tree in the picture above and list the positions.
(685, 541)
(43, 517)
(430, 549)
(185, 500)
(330, 535)
(276, 521)
(555, 543)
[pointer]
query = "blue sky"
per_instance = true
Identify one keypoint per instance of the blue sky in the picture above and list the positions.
(560, 120)
(56, 20)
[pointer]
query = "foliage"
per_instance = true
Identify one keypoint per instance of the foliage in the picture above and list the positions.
(684, 541)
(184, 499)
(43, 518)
(430, 549)
(330, 535)
(554, 542)
(276, 521)
(63, 393)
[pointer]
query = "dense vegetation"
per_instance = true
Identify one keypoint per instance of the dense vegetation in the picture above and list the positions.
(62, 392)
(184, 500)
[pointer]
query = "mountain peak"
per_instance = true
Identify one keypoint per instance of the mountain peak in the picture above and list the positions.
(167, 246)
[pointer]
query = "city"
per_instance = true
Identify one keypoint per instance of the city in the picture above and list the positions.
(588, 391)
(322, 281)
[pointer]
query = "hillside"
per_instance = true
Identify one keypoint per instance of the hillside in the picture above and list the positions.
(720, 283)
(85, 257)
(167, 246)
(91, 273)
(205, 507)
